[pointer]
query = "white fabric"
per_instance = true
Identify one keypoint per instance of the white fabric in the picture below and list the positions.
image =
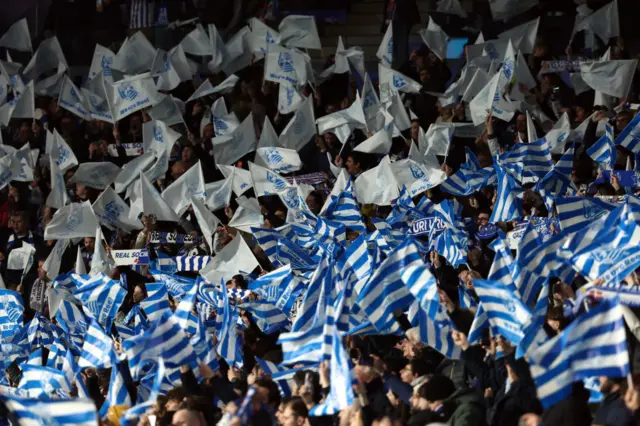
(58, 196)
(130, 95)
(612, 78)
(207, 221)
(435, 39)
(229, 149)
(241, 178)
(385, 51)
(75, 220)
(197, 42)
(112, 212)
(153, 203)
(190, 185)
(135, 55)
(72, 99)
(299, 131)
(158, 137)
(96, 175)
(206, 88)
(523, 36)
(299, 31)
(379, 143)
(265, 181)
(102, 61)
(280, 160)
(47, 57)
(377, 185)
(604, 22)
(17, 37)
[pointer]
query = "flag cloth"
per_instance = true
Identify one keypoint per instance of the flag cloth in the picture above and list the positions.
(604, 151)
(594, 344)
(71, 412)
(100, 296)
(97, 350)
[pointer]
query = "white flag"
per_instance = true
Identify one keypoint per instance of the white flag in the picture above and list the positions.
(52, 264)
(392, 81)
(385, 51)
(102, 61)
(438, 138)
(167, 110)
(558, 134)
(289, 99)
(435, 39)
(523, 36)
(451, 7)
(352, 116)
(47, 57)
(207, 89)
(95, 175)
(100, 260)
(238, 51)
(235, 258)
(207, 221)
(493, 49)
(153, 203)
(612, 78)
(302, 127)
(285, 66)
(502, 10)
(22, 107)
(224, 125)
(399, 114)
(190, 185)
(95, 93)
(490, 100)
(532, 134)
(479, 80)
(604, 22)
(159, 168)
(112, 212)
(17, 37)
(261, 37)
(130, 95)
(60, 151)
(377, 185)
(245, 218)
(280, 160)
(379, 143)
(80, 268)
(299, 31)
(241, 178)
(229, 149)
(370, 101)
(51, 86)
(171, 68)
(265, 181)
(219, 49)
(219, 193)
(75, 220)
(58, 197)
(72, 100)
(197, 42)
(158, 137)
(268, 136)
(135, 55)
(131, 170)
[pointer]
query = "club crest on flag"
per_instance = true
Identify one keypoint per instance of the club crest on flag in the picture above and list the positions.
(590, 211)
(105, 64)
(273, 156)
(74, 95)
(269, 38)
(511, 307)
(507, 69)
(74, 219)
(63, 155)
(127, 92)
(14, 311)
(298, 125)
(416, 171)
(285, 61)
(290, 92)
(290, 198)
(157, 133)
(491, 50)
(113, 210)
(398, 82)
(166, 63)
(220, 124)
(279, 183)
(613, 256)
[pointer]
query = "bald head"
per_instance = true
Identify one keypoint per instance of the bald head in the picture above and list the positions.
(186, 417)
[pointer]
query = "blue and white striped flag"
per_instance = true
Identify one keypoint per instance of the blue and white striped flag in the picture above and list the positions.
(39, 332)
(603, 151)
(385, 292)
(11, 312)
(164, 339)
(101, 297)
(508, 204)
(36, 357)
(340, 391)
(438, 337)
(132, 415)
(574, 213)
(59, 412)
(97, 350)
(345, 209)
(267, 316)
(280, 287)
(534, 334)
(469, 178)
(229, 341)
(630, 136)
(204, 347)
(466, 299)
(424, 288)
(192, 263)
(506, 312)
(156, 304)
(184, 311)
(594, 344)
(558, 183)
(176, 284)
(503, 268)
(118, 393)
(535, 158)
(39, 382)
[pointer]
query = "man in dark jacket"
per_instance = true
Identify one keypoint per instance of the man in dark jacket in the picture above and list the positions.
(458, 408)
(612, 410)
(403, 14)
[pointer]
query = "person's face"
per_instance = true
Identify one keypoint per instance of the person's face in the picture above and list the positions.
(81, 191)
(184, 418)
(329, 139)
(406, 374)
(172, 404)
(313, 204)
(19, 224)
(539, 51)
(207, 132)
(621, 122)
(41, 272)
(135, 124)
(352, 167)
(89, 243)
(521, 123)
(177, 170)
(606, 385)
(483, 219)
(138, 294)
(290, 419)
(187, 154)
(554, 324)
(424, 76)
(415, 130)
(24, 133)
(580, 116)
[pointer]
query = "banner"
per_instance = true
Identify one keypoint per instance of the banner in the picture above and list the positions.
(544, 226)
(561, 65)
(487, 231)
(427, 225)
(131, 149)
(173, 238)
(131, 257)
